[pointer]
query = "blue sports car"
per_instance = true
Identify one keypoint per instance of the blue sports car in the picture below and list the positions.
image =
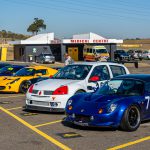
(122, 102)
(10, 70)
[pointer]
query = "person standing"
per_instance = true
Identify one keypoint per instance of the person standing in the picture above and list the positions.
(68, 59)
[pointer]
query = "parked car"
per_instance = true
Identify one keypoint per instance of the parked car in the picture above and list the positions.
(122, 102)
(45, 58)
(146, 54)
(135, 54)
(52, 94)
(121, 55)
(10, 70)
(3, 65)
(95, 53)
(17, 83)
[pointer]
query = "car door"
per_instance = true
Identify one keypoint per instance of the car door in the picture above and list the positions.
(146, 101)
(98, 77)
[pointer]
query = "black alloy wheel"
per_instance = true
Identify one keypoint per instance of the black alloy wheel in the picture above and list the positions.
(131, 119)
(133, 116)
(25, 86)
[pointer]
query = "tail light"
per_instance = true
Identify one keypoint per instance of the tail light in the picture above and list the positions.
(50, 76)
(31, 88)
(61, 90)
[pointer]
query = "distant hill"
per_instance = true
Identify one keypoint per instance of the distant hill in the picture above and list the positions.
(142, 44)
(10, 36)
(136, 41)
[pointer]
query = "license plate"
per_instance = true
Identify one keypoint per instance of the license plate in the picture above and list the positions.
(81, 123)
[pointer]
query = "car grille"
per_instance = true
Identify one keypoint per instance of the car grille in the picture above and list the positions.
(2, 87)
(40, 103)
(82, 118)
(48, 92)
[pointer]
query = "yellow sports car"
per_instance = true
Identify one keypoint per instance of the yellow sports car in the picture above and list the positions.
(17, 83)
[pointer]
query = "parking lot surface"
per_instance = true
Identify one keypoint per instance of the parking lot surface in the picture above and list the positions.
(24, 130)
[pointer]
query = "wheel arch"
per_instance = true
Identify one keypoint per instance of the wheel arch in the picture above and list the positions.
(82, 90)
(125, 107)
(22, 83)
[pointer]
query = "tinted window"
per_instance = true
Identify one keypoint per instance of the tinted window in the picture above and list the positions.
(122, 87)
(6, 69)
(42, 71)
(16, 69)
(25, 72)
(102, 72)
(117, 70)
(9, 69)
(74, 72)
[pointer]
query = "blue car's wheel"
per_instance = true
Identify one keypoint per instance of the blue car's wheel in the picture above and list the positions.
(131, 119)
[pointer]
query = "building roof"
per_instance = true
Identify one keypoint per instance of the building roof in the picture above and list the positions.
(48, 38)
(90, 38)
(45, 38)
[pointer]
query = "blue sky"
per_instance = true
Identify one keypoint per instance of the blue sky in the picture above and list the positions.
(109, 18)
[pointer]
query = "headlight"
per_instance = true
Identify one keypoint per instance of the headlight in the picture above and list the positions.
(14, 81)
(69, 102)
(112, 108)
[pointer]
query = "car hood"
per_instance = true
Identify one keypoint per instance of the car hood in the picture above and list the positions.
(91, 103)
(52, 84)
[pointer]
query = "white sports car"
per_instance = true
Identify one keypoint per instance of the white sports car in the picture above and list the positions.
(53, 94)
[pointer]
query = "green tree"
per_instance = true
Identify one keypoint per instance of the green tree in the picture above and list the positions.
(4, 33)
(36, 26)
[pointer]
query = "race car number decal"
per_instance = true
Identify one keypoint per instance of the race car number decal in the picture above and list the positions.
(148, 100)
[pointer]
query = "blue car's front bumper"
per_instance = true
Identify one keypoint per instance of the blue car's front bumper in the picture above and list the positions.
(99, 120)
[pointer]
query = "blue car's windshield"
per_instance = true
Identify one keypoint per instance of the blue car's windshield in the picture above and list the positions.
(74, 72)
(25, 72)
(126, 87)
